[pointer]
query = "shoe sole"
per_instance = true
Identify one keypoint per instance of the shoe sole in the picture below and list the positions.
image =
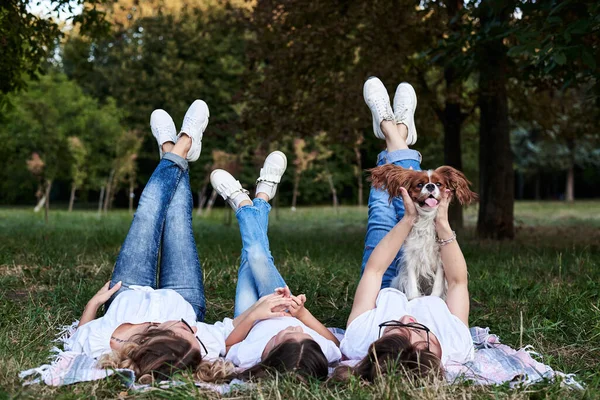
(160, 152)
(410, 138)
(204, 125)
(283, 156)
(375, 130)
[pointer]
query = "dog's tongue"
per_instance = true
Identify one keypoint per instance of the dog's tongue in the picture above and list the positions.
(431, 202)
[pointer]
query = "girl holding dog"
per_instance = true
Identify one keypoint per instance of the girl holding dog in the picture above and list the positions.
(385, 330)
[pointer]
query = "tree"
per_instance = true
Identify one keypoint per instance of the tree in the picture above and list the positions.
(78, 172)
(29, 39)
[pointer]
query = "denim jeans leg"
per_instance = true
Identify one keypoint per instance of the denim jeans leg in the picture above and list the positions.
(138, 258)
(258, 275)
(180, 267)
(383, 214)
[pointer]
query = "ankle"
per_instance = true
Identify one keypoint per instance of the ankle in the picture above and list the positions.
(244, 203)
(262, 196)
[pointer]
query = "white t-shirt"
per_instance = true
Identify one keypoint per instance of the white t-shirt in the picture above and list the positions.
(144, 304)
(431, 311)
(248, 352)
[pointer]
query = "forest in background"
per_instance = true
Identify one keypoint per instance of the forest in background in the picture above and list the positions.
(508, 93)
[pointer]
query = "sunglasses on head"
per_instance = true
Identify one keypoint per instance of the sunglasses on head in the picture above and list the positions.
(197, 338)
(410, 325)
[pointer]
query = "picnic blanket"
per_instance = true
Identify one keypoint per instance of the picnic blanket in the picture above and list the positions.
(494, 364)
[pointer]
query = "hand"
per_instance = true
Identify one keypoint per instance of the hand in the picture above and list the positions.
(410, 211)
(296, 308)
(441, 219)
(104, 294)
(284, 291)
(271, 306)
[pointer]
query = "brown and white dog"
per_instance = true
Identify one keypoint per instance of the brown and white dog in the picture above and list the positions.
(422, 271)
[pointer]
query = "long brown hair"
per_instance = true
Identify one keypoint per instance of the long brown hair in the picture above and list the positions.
(392, 353)
(304, 358)
(155, 354)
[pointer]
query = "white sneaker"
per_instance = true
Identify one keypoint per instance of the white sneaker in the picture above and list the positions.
(194, 124)
(405, 104)
(271, 173)
(378, 100)
(229, 188)
(163, 128)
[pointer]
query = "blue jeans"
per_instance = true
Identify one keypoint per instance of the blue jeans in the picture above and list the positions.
(163, 224)
(258, 276)
(383, 215)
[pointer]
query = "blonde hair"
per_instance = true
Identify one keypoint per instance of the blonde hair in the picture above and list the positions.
(148, 367)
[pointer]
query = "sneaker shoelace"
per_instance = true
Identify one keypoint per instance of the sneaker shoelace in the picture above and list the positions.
(382, 110)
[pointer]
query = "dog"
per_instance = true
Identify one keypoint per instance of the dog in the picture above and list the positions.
(422, 270)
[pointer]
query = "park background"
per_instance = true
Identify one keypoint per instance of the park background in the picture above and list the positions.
(508, 93)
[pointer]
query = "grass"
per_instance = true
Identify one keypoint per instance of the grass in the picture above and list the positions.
(540, 289)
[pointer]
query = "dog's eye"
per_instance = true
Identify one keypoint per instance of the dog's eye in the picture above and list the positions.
(439, 184)
(419, 185)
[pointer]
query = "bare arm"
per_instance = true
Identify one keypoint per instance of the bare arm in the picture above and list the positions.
(455, 266)
(380, 260)
(267, 307)
(298, 310)
(101, 297)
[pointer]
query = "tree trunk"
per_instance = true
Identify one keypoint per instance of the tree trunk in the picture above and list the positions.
(109, 187)
(496, 175)
(333, 191)
(453, 117)
(101, 199)
(570, 187)
(40, 204)
(47, 196)
(201, 199)
(72, 198)
(359, 175)
(295, 191)
(131, 197)
(211, 201)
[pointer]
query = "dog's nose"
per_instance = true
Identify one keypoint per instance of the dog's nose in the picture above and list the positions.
(430, 187)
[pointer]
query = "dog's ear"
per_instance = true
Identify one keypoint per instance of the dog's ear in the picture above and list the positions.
(459, 184)
(391, 178)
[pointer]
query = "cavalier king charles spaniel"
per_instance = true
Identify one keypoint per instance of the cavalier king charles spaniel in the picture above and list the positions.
(422, 271)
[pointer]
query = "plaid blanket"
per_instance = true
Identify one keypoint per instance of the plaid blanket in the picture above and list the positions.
(494, 364)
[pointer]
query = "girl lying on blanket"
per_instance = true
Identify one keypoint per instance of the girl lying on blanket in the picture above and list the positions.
(151, 326)
(385, 331)
(284, 336)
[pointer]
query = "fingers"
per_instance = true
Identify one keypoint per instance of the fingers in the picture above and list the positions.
(116, 287)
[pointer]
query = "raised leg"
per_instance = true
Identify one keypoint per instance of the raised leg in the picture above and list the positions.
(138, 258)
(384, 215)
(180, 267)
(257, 275)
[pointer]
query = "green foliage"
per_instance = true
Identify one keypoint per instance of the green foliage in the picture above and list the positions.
(29, 39)
(41, 120)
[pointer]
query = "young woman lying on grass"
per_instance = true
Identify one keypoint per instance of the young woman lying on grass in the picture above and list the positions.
(284, 336)
(155, 327)
(385, 331)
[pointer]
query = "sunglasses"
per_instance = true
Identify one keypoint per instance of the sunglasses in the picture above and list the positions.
(197, 338)
(411, 325)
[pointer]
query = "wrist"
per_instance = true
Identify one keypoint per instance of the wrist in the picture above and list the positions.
(443, 227)
(408, 220)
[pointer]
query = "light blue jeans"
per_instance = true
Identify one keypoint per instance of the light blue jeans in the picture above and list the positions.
(258, 276)
(383, 215)
(163, 224)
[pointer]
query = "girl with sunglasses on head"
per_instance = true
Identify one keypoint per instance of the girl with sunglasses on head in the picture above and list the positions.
(275, 333)
(385, 331)
(154, 326)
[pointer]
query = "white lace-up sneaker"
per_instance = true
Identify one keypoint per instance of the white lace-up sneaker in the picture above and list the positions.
(378, 100)
(163, 128)
(271, 173)
(405, 104)
(194, 124)
(229, 188)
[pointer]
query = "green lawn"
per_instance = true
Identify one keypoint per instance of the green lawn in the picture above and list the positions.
(541, 289)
